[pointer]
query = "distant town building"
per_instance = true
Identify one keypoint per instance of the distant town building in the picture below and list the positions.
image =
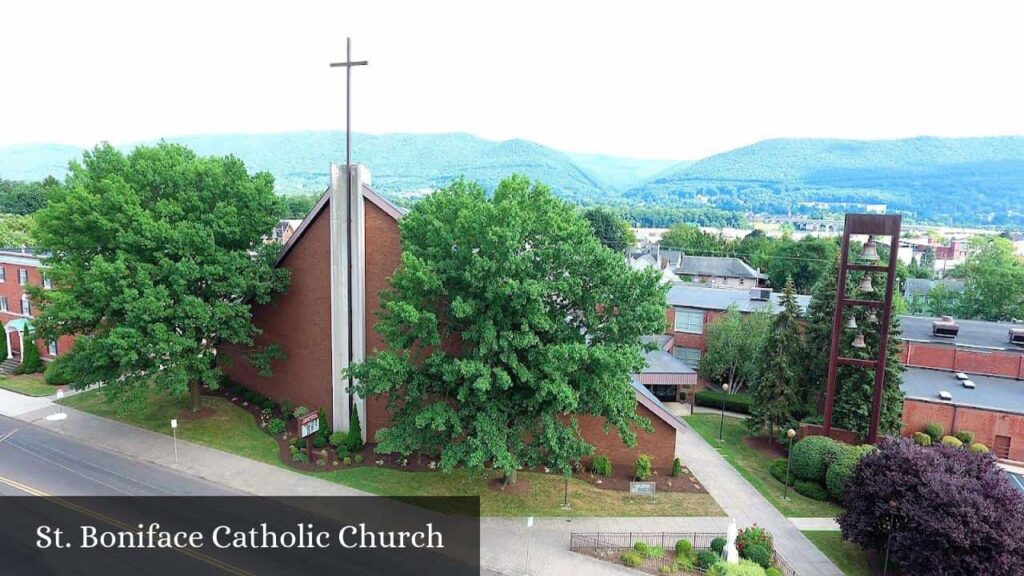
(284, 229)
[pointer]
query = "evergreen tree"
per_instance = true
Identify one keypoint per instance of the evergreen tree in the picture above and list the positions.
(819, 336)
(776, 391)
(30, 360)
(354, 438)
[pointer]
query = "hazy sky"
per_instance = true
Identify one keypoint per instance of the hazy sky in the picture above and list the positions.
(674, 80)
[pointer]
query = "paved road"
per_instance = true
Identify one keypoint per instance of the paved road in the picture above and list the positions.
(60, 465)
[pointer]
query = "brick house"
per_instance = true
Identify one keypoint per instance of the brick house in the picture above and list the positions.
(310, 320)
(18, 269)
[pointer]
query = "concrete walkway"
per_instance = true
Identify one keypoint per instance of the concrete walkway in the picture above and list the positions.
(815, 524)
(682, 409)
(745, 504)
(14, 405)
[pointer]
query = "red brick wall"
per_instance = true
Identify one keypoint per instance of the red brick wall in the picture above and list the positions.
(13, 291)
(298, 320)
(949, 357)
(986, 424)
(688, 340)
(660, 444)
(383, 255)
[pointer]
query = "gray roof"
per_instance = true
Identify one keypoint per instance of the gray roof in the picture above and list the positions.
(717, 266)
(973, 333)
(648, 399)
(1005, 394)
(922, 286)
(661, 362)
(697, 296)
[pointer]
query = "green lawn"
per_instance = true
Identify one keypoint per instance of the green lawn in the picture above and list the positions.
(232, 429)
(754, 465)
(27, 384)
(847, 556)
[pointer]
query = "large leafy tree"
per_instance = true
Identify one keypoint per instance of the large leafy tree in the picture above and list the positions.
(994, 279)
(940, 510)
(776, 389)
(611, 230)
(804, 261)
(156, 258)
(693, 241)
(506, 321)
(732, 344)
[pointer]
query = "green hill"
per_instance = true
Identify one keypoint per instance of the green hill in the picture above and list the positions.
(952, 180)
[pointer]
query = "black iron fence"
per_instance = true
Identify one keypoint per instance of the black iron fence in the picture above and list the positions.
(610, 546)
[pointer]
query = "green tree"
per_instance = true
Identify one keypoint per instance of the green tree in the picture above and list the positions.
(994, 281)
(694, 241)
(298, 205)
(611, 230)
(732, 345)
(775, 391)
(942, 301)
(156, 258)
(30, 360)
(803, 261)
(15, 231)
(506, 321)
(757, 249)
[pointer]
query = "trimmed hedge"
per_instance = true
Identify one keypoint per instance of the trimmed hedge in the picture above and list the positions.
(738, 402)
(810, 456)
(952, 442)
(811, 489)
(778, 471)
(718, 545)
(935, 430)
(966, 437)
(922, 439)
(706, 559)
(841, 468)
(979, 448)
(758, 554)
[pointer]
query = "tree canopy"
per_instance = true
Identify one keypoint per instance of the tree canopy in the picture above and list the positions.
(731, 348)
(940, 510)
(611, 230)
(25, 197)
(804, 261)
(505, 323)
(776, 388)
(693, 241)
(994, 281)
(155, 259)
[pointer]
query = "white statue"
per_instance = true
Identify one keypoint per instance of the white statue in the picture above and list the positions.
(731, 554)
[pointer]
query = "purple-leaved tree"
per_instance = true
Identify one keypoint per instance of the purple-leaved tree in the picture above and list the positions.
(950, 511)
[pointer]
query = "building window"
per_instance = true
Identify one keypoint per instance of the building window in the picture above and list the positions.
(689, 355)
(688, 320)
(26, 306)
(3, 304)
(46, 283)
(51, 348)
(3, 274)
(22, 276)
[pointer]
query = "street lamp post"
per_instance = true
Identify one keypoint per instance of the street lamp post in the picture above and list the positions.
(789, 434)
(721, 424)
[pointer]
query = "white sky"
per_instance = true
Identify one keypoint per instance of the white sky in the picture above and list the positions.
(673, 80)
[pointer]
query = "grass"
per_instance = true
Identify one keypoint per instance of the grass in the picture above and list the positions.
(27, 384)
(231, 429)
(754, 465)
(847, 556)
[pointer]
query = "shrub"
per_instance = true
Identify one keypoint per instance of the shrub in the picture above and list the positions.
(632, 559)
(336, 439)
(684, 548)
(238, 390)
(286, 410)
(952, 442)
(808, 457)
(677, 468)
(268, 404)
(325, 424)
(30, 360)
(342, 451)
(347, 461)
(744, 568)
(966, 437)
(300, 457)
(601, 466)
(839, 471)
(980, 534)
(355, 433)
(718, 545)
(275, 426)
(758, 554)
(754, 536)
(811, 489)
(319, 441)
(649, 551)
(922, 439)
(300, 412)
(706, 558)
(359, 458)
(934, 430)
(56, 373)
(738, 402)
(772, 571)
(778, 471)
(979, 448)
(642, 468)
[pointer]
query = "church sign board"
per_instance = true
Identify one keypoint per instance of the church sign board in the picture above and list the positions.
(309, 424)
(641, 488)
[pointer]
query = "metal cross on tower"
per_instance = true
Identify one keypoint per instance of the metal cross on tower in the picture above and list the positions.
(348, 64)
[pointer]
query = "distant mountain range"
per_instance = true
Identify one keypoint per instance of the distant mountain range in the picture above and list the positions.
(944, 180)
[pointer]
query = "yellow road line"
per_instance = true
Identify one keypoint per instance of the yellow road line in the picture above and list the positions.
(117, 523)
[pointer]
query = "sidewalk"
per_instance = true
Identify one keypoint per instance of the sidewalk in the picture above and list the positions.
(14, 405)
(815, 524)
(681, 409)
(746, 505)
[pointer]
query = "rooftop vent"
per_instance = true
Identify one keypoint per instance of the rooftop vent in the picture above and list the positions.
(1017, 336)
(761, 294)
(943, 395)
(945, 327)
(968, 384)
(961, 376)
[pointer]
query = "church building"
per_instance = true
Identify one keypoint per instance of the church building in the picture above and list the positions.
(319, 336)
